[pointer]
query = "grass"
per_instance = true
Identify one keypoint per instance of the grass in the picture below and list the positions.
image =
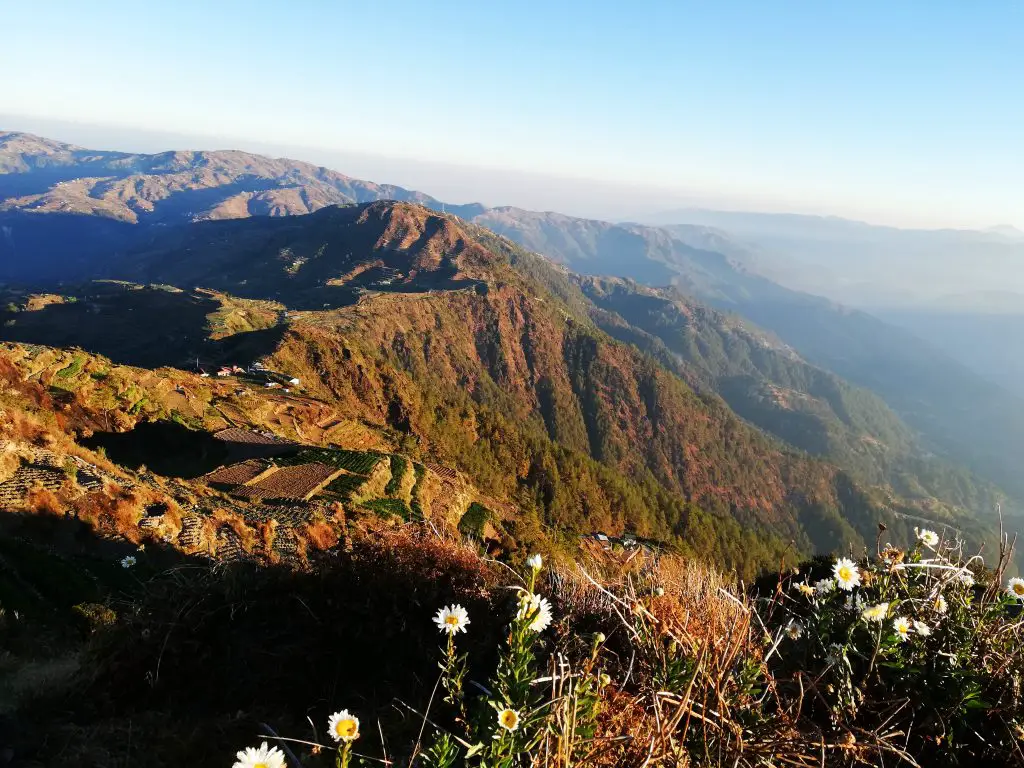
(72, 369)
(656, 662)
(389, 508)
(399, 466)
(357, 462)
(343, 487)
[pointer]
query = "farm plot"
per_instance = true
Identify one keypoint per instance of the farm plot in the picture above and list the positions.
(298, 482)
(236, 474)
(343, 487)
(446, 473)
(386, 508)
(356, 462)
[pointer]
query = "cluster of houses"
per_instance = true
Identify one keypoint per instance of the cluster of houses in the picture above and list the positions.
(627, 542)
(271, 379)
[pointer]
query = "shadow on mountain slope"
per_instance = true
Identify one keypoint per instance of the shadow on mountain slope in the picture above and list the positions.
(131, 325)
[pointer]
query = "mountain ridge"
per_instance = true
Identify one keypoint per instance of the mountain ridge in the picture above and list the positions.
(821, 331)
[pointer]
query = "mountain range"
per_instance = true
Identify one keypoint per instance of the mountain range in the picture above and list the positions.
(651, 401)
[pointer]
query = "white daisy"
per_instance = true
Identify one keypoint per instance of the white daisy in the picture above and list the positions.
(535, 562)
(835, 654)
(343, 726)
(876, 612)
(939, 604)
(902, 626)
(128, 561)
(535, 608)
(855, 603)
(926, 537)
(260, 757)
(824, 586)
(1015, 588)
(922, 629)
(794, 630)
(452, 619)
(508, 719)
(966, 578)
(846, 573)
(804, 589)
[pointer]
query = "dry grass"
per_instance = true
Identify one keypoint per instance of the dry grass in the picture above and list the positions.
(318, 535)
(246, 535)
(267, 533)
(40, 500)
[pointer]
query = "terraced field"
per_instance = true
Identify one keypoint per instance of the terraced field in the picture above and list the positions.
(391, 508)
(237, 474)
(343, 487)
(297, 482)
(356, 462)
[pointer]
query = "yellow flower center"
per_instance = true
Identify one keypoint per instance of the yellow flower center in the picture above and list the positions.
(1018, 589)
(451, 619)
(509, 718)
(845, 573)
(346, 729)
(261, 765)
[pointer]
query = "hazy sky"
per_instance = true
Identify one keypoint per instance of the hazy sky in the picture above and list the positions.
(895, 112)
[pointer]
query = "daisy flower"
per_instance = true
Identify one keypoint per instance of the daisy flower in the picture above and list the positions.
(876, 612)
(794, 629)
(902, 626)
(535, 562)
(343, 726)
(922, 629)
(926, 537)
(261, 757)
(804, 589)
(127, 561)
(854, 603)
(939, 604)
(824, 586)
(846, 573)
(966, 578)
(508, 719)
(1015, 588)
(835, 654)
(452, 619)
(535, 608)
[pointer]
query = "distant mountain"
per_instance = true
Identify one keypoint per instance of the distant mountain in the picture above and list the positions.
(93, 198)
(866, 265)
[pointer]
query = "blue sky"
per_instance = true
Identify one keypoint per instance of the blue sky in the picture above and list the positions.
(897, 112)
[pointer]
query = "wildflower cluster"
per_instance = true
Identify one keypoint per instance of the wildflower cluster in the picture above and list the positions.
(910, 637)
(518, 711)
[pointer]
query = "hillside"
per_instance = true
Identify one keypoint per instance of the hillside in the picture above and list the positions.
(961, 417)
(486, 358)
(71, 213)
(765, 382)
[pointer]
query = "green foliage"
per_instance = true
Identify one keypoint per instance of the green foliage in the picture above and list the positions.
(72, 369)
(390, 508)
(343, 487)
(474, 520)
(399, 466)
(357, 462)
(913, 627)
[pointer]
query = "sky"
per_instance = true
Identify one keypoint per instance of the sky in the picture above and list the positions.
(904, 113)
